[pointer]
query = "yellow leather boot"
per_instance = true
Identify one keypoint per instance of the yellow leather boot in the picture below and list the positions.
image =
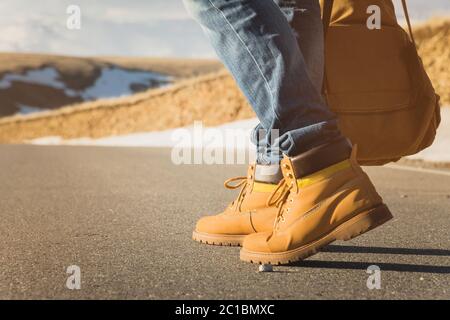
(249, 213)
(318, 203)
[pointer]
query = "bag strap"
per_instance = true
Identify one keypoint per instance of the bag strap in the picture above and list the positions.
(408, 22)
(326, 19)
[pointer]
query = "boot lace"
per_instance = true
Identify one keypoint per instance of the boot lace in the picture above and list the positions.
(235, 183)
(278, 198)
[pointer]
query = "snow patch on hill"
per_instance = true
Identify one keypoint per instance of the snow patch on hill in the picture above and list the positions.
(115, 82)
(166, 138)
(438, 152)
(23, 109)
(112, 82)
(46, 76)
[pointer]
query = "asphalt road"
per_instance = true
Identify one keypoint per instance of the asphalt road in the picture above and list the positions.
(125, 217)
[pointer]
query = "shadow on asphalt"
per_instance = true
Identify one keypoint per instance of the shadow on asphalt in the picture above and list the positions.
(383, 250)
(400, 267)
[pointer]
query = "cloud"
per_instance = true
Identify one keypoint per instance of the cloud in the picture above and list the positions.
(117, 27)
(30, 33)
(420, 10)
(126, 14)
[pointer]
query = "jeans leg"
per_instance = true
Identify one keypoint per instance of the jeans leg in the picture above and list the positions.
(255, 41)
(307, 23)
(304, 16)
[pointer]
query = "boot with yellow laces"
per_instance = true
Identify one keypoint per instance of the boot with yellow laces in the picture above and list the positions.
(318, 202)
(249, 213)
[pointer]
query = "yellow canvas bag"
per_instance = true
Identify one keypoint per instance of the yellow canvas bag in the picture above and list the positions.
(376, 83)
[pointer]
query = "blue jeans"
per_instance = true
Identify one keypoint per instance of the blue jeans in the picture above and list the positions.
(279, 70)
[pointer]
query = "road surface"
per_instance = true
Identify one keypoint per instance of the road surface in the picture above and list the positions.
(125, 217)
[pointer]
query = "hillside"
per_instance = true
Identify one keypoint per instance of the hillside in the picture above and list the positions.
(433, 39)
(213, 98)
(53, 81)
(158, 109)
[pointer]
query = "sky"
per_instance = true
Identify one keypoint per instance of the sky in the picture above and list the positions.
(160, 28)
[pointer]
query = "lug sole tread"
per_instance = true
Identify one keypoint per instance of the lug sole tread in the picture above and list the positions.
(348, 230)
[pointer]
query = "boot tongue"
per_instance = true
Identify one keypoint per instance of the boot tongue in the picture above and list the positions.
(268, 173)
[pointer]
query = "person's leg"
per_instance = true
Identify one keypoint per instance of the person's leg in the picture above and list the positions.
(308, 28)
(304, 17)
(324, 196)
(259, 47)
(257, 44)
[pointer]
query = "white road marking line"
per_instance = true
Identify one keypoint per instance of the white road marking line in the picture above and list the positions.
(421, 170)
